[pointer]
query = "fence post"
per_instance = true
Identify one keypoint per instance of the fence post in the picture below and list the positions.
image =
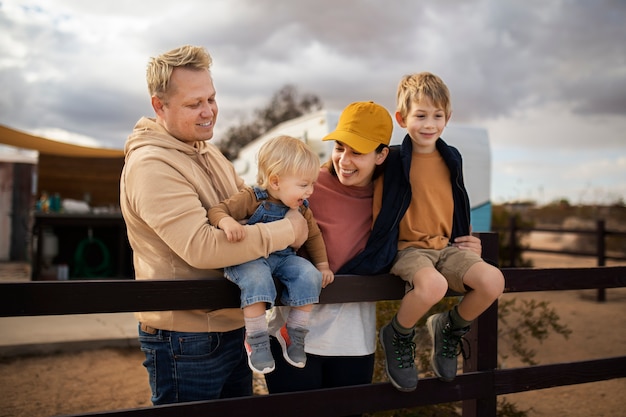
(601, 251)
(483, 341)
(512, 248)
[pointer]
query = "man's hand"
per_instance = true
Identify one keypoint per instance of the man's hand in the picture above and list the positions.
(300, 228)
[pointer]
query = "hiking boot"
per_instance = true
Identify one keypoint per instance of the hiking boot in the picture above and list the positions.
(292, 342)
(447, 345)
(399, 353)
(260, 357)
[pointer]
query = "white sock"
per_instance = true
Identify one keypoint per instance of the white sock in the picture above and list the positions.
(255, 324)
(298, 318)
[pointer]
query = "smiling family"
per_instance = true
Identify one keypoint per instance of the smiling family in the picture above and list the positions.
(370, 209)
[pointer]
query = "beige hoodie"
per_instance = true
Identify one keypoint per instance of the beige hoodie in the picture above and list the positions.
(166, 188)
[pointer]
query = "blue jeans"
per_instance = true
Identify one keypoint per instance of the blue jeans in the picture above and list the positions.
(186, 367)
(302, 281)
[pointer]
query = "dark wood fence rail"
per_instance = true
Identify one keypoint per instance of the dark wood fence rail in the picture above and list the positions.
(600, 233)
(478, 386)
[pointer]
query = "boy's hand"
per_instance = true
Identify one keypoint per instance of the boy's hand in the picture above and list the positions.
(327, 275)
(469, 242)
(235, 231)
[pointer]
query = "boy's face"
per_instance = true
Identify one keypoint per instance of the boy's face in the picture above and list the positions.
(424, 124)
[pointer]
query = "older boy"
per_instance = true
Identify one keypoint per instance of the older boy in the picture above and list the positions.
(427, 174)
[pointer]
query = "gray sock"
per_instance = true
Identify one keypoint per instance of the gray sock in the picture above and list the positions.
(401, 330)
(458, 322)
(255, 324)
(298, 318)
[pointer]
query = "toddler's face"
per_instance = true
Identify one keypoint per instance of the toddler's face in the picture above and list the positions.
(292, 190)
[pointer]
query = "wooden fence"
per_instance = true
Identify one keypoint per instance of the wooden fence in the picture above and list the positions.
(599, 236)
(477, 387)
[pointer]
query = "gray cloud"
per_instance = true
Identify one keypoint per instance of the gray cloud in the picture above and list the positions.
(79, 66)
(546, 78)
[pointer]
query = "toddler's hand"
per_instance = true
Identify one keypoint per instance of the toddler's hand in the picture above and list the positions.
(327, 275)
(235, 231)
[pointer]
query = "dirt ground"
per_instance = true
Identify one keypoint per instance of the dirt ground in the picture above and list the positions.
(113, 379)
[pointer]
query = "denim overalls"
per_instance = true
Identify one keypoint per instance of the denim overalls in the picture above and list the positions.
(302, 281)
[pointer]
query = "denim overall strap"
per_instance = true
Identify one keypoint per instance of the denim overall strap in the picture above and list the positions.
(267, 211)
(260, 193)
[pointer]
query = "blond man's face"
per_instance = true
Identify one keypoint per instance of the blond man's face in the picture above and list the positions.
(189, 110)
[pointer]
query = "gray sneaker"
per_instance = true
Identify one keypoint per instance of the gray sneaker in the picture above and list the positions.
(399, 358)
(260, 357)
(447, 345)
(291, 340)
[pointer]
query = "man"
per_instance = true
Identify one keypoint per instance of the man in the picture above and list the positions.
(171, 177)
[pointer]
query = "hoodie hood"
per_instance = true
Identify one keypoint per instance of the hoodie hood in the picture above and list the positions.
(147, 132)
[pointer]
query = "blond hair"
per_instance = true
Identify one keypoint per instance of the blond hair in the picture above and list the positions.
(160, 68)
(414, 88)
(286, 155)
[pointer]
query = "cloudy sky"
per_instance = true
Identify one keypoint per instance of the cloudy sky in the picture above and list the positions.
(547, 79)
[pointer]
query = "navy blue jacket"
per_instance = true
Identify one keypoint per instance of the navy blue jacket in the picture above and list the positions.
(382, 246)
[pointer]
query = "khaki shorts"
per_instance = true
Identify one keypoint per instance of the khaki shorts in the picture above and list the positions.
(450, 261)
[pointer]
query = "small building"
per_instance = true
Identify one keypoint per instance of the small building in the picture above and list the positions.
(31, 166)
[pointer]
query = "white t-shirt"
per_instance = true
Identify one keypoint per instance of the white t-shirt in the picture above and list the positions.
(346, 329)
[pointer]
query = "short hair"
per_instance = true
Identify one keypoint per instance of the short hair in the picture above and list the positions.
(414, 88)
(160, 68)
(286, 155)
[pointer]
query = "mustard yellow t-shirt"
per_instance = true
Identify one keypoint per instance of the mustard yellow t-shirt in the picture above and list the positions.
(427, 223)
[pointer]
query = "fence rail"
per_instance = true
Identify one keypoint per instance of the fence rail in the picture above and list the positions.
(478, 386)
(601, 233)
(601, 254)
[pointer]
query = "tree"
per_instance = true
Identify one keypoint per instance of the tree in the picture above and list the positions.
(286, 104)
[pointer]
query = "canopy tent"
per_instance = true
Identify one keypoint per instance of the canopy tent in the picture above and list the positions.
(19, 139)
(73, 171)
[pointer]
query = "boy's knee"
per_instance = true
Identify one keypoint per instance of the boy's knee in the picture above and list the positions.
(499, 279)
(494, 282)
(429, 285)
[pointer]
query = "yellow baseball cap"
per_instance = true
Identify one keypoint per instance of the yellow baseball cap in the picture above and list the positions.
(363, 126)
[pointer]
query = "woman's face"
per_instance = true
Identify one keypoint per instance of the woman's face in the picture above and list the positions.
(355, 169)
